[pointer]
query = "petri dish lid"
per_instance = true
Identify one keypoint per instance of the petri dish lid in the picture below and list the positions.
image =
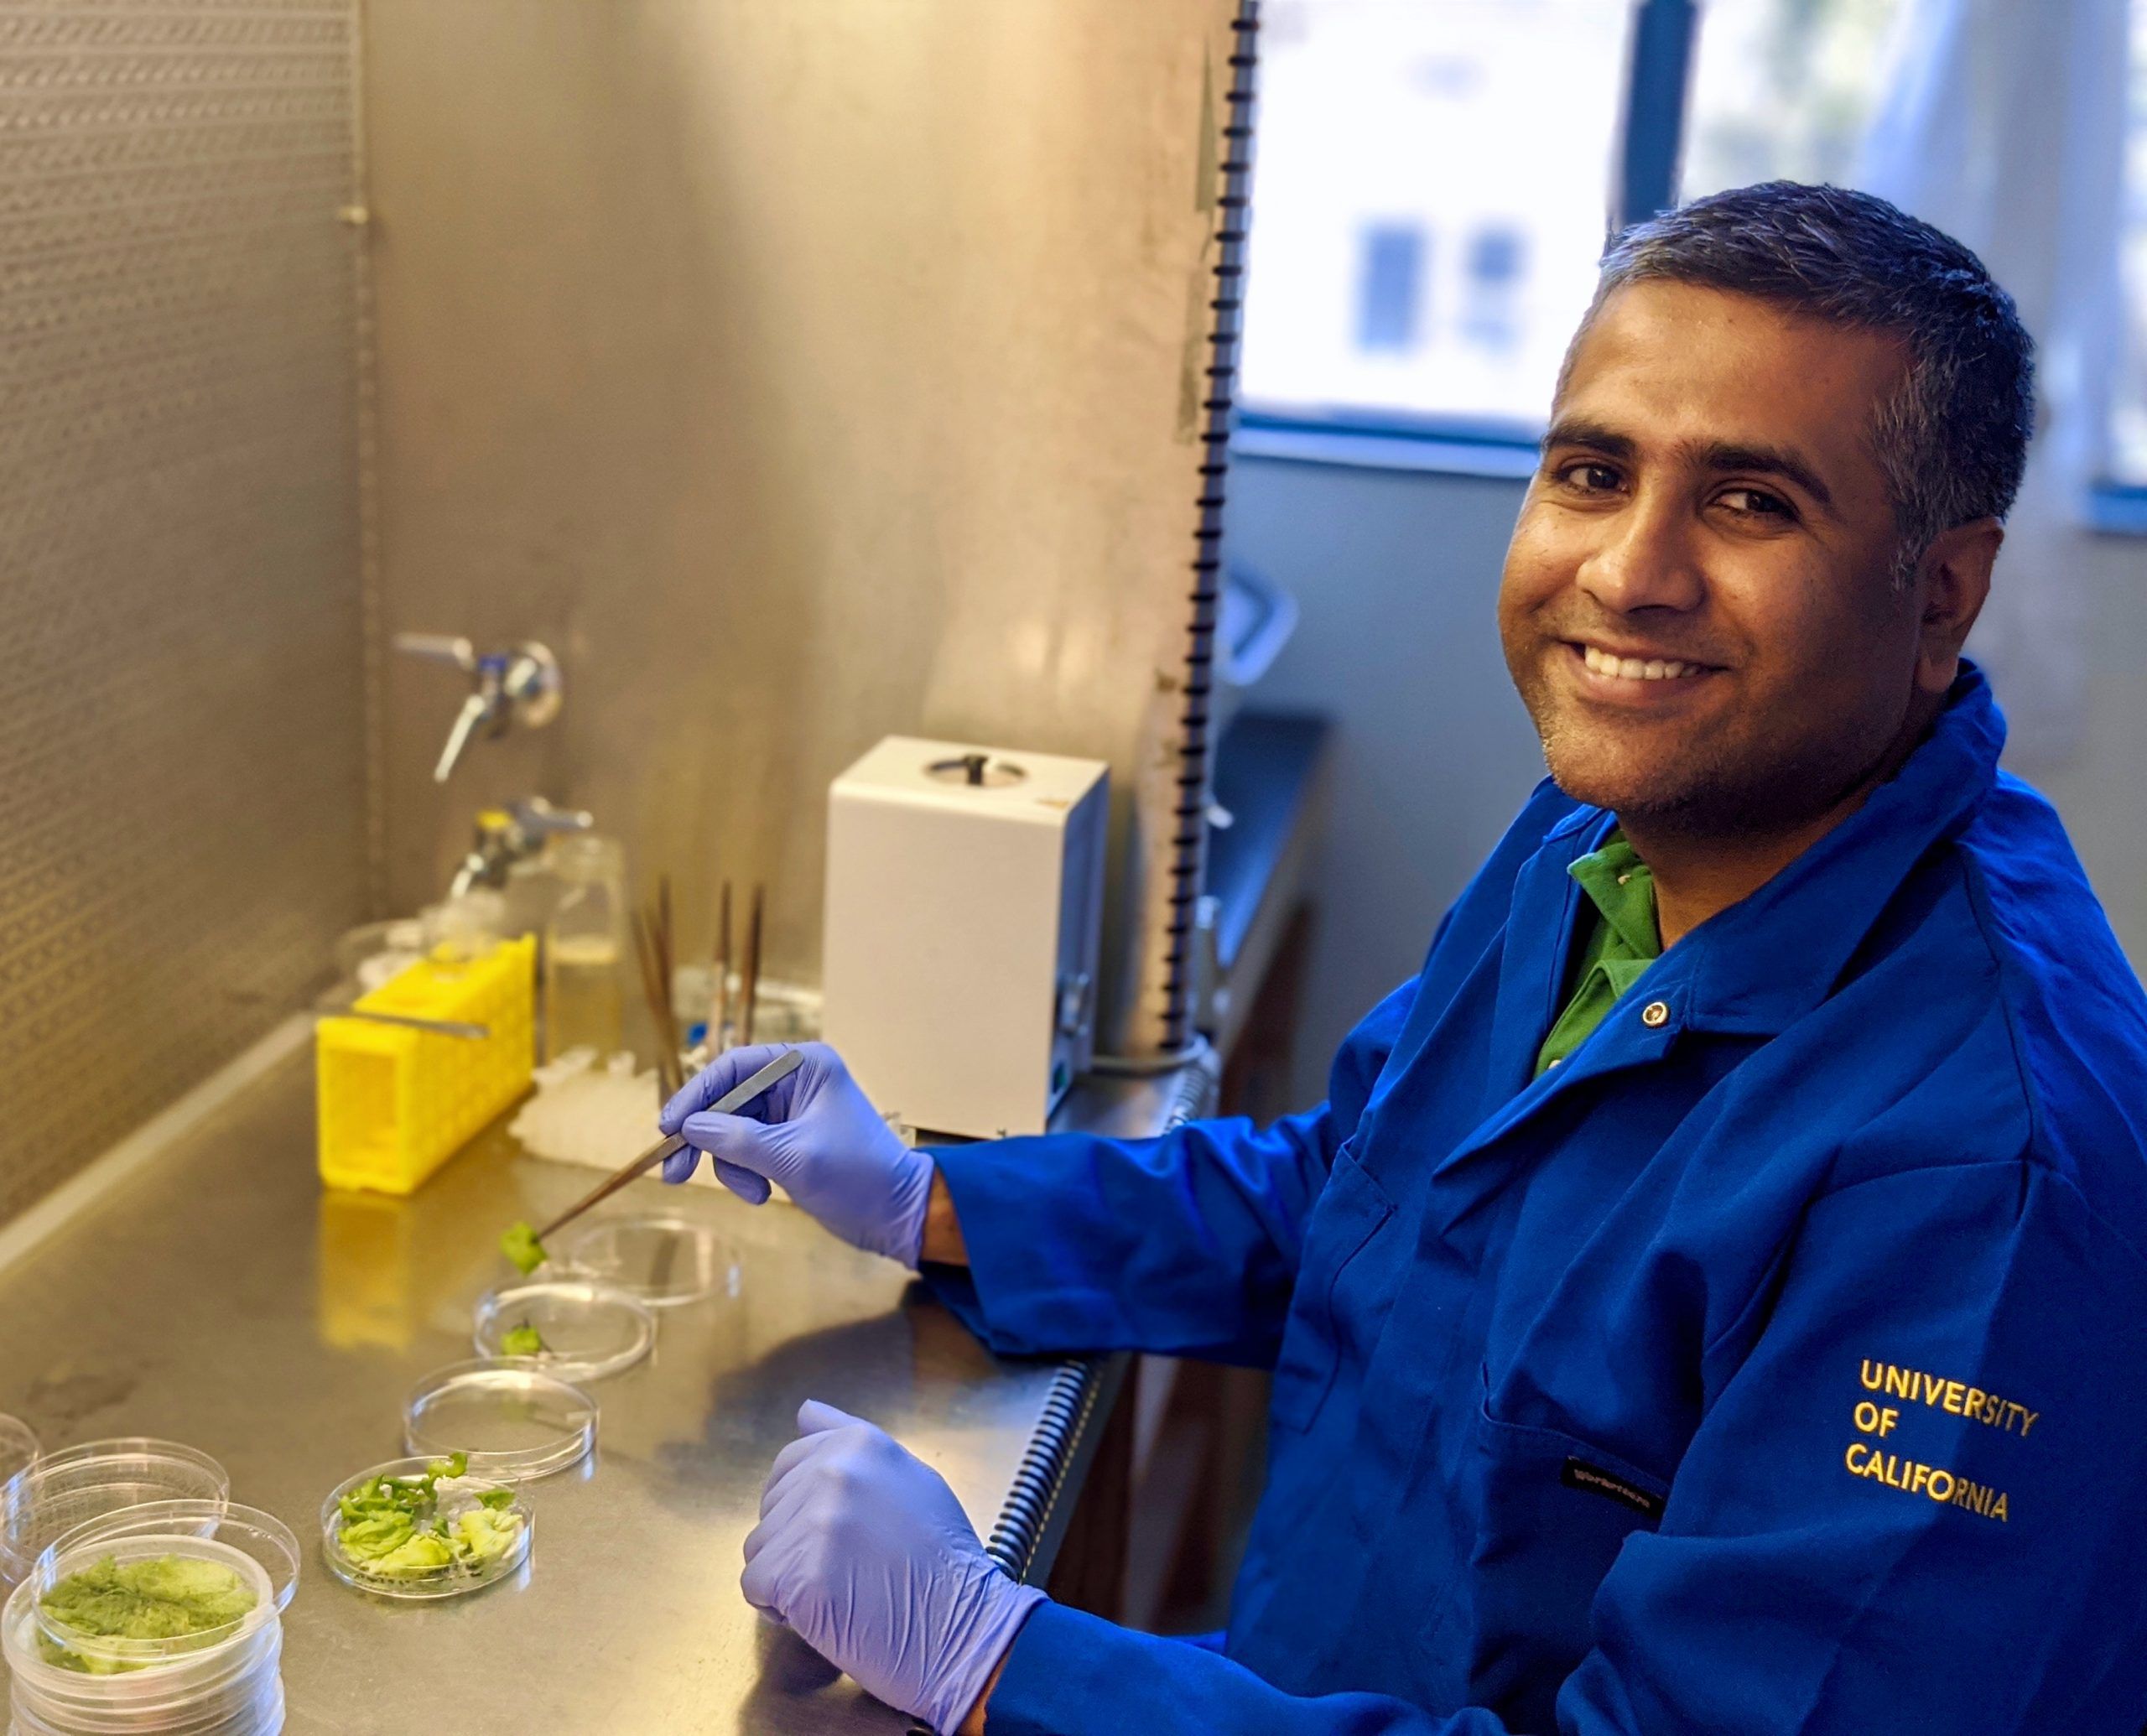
(660, 1258)
(60, 1490)
(256, 1548)
(454, 1496)
(516, 1422)
(18, 1446)
(589, 1330)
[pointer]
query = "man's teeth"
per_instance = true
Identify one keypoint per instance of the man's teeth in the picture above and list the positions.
(1634, 669)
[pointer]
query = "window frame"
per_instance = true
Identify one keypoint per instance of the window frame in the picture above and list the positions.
(2117, 508)
(1651, 135)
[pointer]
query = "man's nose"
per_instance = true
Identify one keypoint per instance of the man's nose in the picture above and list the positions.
(1646, 558)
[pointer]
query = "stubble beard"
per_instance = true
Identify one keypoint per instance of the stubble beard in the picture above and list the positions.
(1705, 788)
(1715, 789)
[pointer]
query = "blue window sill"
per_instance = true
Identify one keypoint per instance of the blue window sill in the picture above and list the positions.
(2118, 509)
(1501, 450)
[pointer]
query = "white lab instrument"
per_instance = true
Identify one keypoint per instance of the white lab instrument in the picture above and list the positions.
(965, 907)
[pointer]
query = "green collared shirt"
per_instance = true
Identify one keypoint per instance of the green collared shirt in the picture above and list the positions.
(1624, 941)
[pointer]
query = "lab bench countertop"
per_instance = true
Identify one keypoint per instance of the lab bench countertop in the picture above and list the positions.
(219, 1297)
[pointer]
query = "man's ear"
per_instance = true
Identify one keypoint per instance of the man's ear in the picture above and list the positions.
(1952, 579)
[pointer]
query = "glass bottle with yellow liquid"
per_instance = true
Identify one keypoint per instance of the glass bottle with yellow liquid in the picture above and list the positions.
(585, 947)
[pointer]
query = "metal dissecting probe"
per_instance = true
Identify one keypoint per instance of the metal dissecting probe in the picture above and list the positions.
(730, 1103)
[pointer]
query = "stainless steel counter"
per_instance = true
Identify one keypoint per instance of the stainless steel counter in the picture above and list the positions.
(221, 1299)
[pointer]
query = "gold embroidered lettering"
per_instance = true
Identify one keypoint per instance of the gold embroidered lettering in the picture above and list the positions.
(1933, 1482)
(1957, 1398)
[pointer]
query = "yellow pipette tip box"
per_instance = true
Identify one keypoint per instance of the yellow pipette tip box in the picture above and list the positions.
(396, 1102)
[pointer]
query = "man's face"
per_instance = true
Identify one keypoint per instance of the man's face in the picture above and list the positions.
(1697, 605)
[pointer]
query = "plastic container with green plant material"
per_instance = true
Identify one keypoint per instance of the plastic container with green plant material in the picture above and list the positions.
(585, 1331)
(163, 1617)
(422, 1529)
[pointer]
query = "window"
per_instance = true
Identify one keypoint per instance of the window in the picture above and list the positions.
(1783, 89)
(1393, 289)
(1497, 268)
(2128, 443)
(1429, 195)
(1435, 178)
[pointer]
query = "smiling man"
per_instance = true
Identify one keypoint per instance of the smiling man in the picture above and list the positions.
(1713, 1295)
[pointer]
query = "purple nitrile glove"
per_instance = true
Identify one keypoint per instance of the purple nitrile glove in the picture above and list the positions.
(864, 1551)
(816, 1134)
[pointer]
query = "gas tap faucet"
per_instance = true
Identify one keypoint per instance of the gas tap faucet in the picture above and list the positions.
(508, 835)
(520, 685)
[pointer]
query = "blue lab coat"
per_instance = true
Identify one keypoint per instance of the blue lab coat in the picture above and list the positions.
(1777, 1364)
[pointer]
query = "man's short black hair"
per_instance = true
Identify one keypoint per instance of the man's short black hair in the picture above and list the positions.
(1954, 439)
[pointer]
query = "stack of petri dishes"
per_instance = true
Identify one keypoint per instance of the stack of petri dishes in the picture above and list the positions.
(60, 1491)
(223, 1680)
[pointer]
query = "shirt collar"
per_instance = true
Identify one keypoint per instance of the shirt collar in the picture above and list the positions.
(1622, 891)
(1758, 966)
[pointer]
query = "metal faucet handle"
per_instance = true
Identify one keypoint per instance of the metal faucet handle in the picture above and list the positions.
(520, 685)
(476, 709)
(538, 819)
(508, 835)
(530, 677)
(441, 647)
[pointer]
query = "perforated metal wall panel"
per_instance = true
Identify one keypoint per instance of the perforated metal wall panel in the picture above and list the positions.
(803, 371)
(181, 738)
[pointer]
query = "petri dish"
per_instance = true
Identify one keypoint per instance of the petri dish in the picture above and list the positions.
(454, 1497)
(516, 1422)
(60, 1490)
(18, 1446)
(659, 1258)
(589, 1330)
(257, 1547)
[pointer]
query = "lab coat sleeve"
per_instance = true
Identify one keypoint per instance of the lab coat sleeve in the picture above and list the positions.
(1186, 1245)
(1795, 1584)
(1071, 1674)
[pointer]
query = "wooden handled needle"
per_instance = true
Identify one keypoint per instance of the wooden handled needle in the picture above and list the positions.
(785, 1064)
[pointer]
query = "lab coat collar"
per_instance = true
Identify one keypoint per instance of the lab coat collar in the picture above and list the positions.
(1756, 968)
(1760, 965)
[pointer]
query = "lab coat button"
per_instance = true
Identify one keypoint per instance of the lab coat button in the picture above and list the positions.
(1655, 1013)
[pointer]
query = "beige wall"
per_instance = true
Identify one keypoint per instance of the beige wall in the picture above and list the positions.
(181, 784)
(802, 372)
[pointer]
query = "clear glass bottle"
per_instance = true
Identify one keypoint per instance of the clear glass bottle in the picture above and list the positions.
(586, 946)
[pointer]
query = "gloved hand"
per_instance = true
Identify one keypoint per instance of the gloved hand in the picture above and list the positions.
(864, 1551)
(814, 1132)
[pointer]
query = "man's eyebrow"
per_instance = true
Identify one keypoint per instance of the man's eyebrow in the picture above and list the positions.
(1722, 455)
(1773, 460)
(1596, 436)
